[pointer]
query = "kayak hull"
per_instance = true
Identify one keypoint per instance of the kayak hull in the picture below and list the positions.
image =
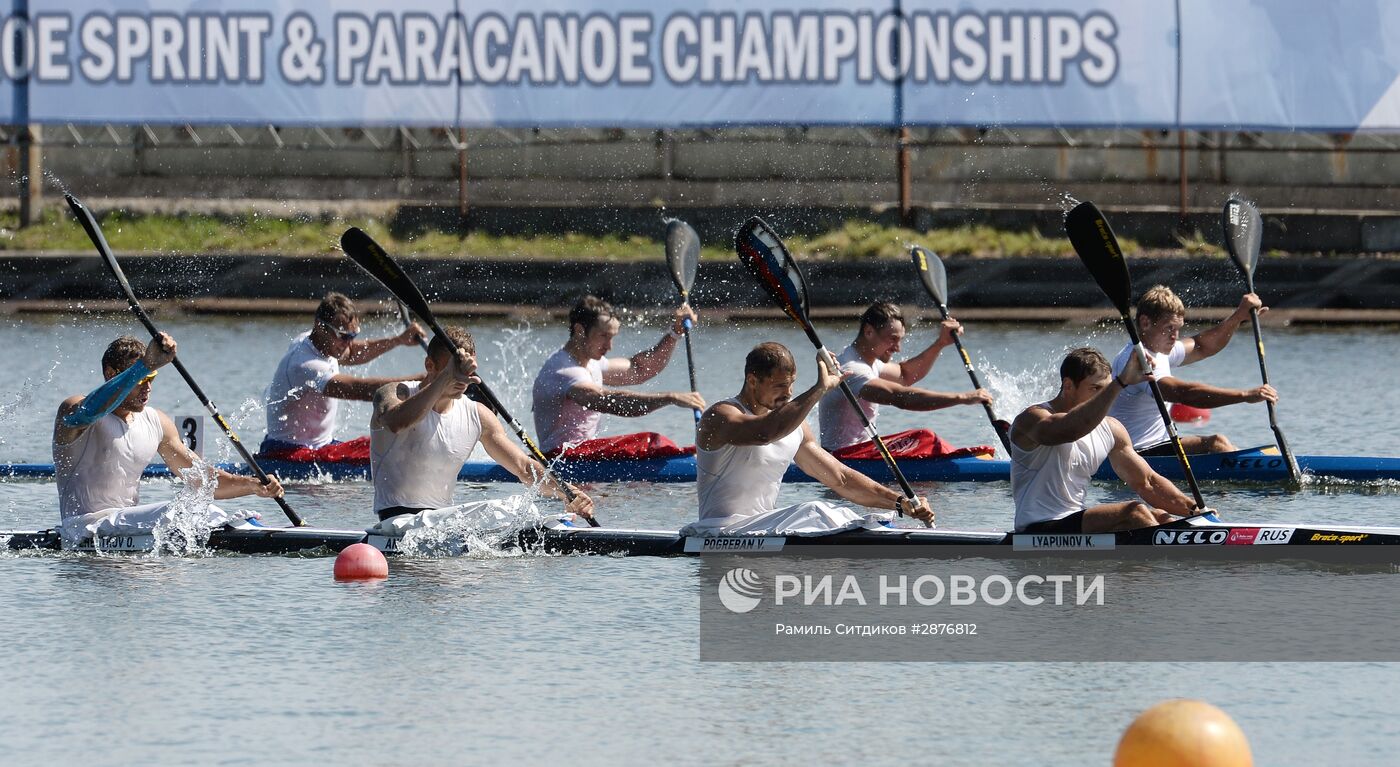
(1260, 464)
(1195, 537)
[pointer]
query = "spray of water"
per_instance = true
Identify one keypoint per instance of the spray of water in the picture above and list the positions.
(184, 528)
(482, 529)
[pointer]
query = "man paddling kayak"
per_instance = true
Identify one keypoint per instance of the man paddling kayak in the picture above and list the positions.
(1160, 316)
(876, 381)
(745, 444)
(103, 441)
(575, 387)
(303, 398)
(422, 432)
(1057, 446)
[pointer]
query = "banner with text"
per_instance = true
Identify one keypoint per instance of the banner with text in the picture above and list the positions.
(1263, 64)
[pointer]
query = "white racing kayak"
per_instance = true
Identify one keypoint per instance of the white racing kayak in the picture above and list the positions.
(1194, 536)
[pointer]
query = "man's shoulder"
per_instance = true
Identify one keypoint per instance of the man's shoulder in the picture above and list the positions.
(560, 362)
(1177, 356)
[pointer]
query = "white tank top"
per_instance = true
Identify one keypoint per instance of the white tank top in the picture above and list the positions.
(839, 424)
(101, 469)
(418, 466)
(1050, 481)
(743, 480)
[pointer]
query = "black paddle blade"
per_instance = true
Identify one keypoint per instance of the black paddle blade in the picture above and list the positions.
(682, 254)
(766, 258)
(99, 240)
(931, 271)
(363, 250)
(1093, 240)
(1244, 231)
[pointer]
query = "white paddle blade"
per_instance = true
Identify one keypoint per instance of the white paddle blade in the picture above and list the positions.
(1244, 232)
(682, 253)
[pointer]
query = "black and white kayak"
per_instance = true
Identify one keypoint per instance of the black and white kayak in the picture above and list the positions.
(1203, 535)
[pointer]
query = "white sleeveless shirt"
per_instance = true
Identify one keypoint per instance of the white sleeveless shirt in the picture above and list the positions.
(743, 480)
(418, 466)
(839, 424)
(101, 469)
(1051, 481)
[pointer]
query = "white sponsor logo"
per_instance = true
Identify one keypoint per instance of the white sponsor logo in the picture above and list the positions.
(1028, 541)
(698, 545)
(1190, 537)
(739, 590)
(1269, 536)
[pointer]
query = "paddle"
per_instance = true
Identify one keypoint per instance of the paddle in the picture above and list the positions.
(408, 323)
(768, 259)
(683, 256)
(1093, 240)
(1244, 230)
(94, 233)
(381, 266)
(935, 279)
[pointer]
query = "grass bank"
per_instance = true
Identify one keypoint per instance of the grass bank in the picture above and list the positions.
(254, 233)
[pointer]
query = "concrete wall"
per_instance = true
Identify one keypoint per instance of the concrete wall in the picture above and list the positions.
(793, 166)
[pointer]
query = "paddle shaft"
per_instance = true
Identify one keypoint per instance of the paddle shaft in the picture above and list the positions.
(977, 384)
(1294, 473)
(690, 363)
(100, 241)
(408, 323)
(1166, 416)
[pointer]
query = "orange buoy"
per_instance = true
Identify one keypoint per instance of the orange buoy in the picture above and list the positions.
(361, 562)
(1187, 414)
(1183, 733)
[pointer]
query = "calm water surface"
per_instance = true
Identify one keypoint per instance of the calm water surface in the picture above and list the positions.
(594, 660)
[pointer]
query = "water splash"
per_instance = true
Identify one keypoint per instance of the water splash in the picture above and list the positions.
(24, 398)
(184, 528)
(482, 530)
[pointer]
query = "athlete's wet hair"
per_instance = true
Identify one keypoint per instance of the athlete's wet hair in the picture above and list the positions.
(334, 306)
(1082, 363)
(768, 358)
(122, 354)
(588, 311)
(1159, 303)
(437, 348)
(881, 314)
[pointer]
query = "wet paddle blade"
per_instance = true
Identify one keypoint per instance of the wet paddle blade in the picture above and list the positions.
(682, 254)
(363, 250)
(763, 254)
(931, 272)
(1244, 231)
(1093, 240)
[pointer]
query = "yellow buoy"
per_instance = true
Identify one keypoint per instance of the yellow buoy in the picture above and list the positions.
(1183, 733)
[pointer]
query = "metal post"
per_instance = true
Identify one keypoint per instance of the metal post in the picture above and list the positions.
(1181, 170)
(31, 168)
(906, 210)
(462, 206)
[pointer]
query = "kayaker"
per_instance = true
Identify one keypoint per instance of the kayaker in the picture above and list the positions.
(746, 443)
(422, 432)
(304, 395)
(1057, 446)
(1160, 316)
(577, 384)
(102, 443)
(876, 380)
